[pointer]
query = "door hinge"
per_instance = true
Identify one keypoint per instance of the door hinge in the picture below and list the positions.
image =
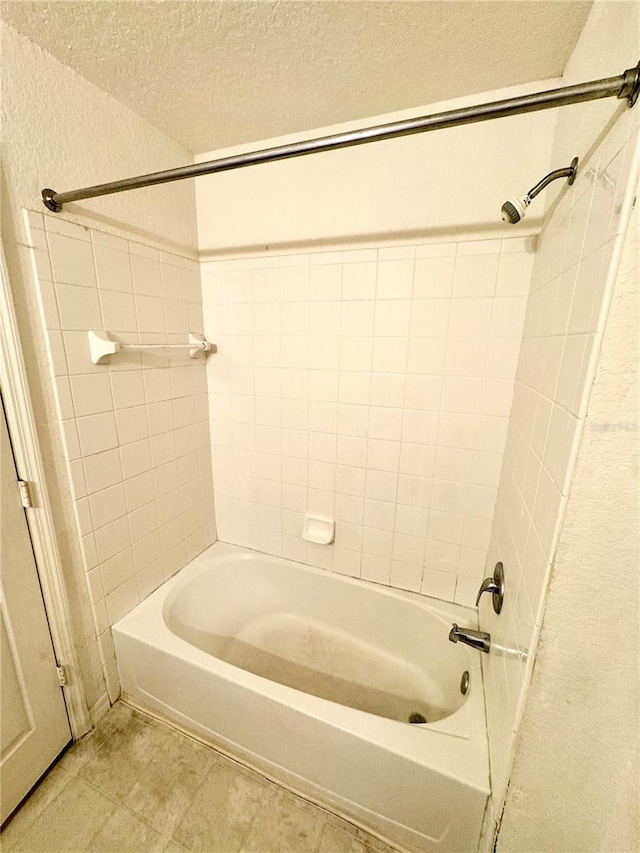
(62, 676)
(25, 493)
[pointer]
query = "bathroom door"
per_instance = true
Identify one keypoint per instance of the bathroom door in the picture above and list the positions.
(34, 727)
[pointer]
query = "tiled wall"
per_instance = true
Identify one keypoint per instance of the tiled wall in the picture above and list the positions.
(135, 432)
(573, 276)
(373, 386)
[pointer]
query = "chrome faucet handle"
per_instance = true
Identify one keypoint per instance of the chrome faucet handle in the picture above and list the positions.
(494, 585)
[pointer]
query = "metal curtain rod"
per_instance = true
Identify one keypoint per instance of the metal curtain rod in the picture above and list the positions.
(626, 85)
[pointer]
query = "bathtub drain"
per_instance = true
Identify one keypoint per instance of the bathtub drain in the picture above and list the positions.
(416, 718)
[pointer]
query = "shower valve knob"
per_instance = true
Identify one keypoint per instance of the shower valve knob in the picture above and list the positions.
(494, 585)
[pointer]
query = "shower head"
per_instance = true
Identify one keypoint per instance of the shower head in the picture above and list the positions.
(514, 209)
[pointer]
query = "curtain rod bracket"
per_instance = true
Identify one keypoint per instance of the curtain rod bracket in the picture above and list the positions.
(48, 199)
(631, 86)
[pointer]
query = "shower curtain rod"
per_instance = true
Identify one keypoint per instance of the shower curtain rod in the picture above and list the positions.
(626, 85)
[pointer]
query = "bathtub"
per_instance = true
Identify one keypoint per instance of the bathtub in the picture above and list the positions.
(312, 678)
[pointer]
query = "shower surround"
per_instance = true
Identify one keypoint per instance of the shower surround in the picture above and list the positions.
(372, 386)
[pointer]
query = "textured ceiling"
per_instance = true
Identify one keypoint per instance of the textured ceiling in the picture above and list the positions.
(215, 74)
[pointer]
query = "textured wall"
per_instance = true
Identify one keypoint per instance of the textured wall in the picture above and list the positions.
(573, 276)
(415, 187)
(232, 72)
(58, 130)
(577, 755)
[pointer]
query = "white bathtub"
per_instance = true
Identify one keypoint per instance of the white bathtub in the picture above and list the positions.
(236, 644)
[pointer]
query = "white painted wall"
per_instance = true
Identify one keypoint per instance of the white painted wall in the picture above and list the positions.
(59, 130)
(574, 785)
(574, 272)
(437, 185)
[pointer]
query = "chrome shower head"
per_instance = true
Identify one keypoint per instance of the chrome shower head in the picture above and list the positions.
(514, 209)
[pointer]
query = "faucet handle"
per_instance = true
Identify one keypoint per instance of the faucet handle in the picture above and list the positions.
(494, 585)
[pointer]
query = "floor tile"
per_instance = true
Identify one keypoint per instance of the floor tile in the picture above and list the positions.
(222, 811)
(174, 847)
(137, 785)
(284, 824)
(123, 758)
(125, 833)
(34, 805)
(164, 792)
(336, 840)
(69, 822)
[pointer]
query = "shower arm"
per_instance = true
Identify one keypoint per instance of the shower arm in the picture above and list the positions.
(568, 172)
(624, 86)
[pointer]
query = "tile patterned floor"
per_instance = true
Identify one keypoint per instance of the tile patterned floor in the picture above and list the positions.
(138, 786)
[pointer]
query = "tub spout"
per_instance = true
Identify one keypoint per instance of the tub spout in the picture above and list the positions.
(476, 639)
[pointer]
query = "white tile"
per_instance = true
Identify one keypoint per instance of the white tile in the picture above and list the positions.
(359, 280)
(408, 549)
(433, 277)
(423, 392)
(113, 268)
(438, 584)
(465, 357)
(375, 569)
(507, 320)
(426, 355)
(79, 307)
(392, 318)
(496, 397)
(139, 490)
(430, 318)
(470, 318)
(379, 514)
(462, 394)
(395, 279)
(97, 433)
(118, 311)
(112, 539)
(121, 601)
(127, 389)
(479, 247)
(385, 423)
(442, 556)
(383, 455)
(387, 389)
(381, 485)
(514, 273)
(150, 314)
(72, 261)
(419, 427)
(377, 542)
(475, 275)
(91, 394)
(406, 575)
(446, 527)
(132, 424)
(325, 282)
(389, 355)
(48, 304)
(357, 318)
(102, 470)
(146, 275)
(107, 505)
